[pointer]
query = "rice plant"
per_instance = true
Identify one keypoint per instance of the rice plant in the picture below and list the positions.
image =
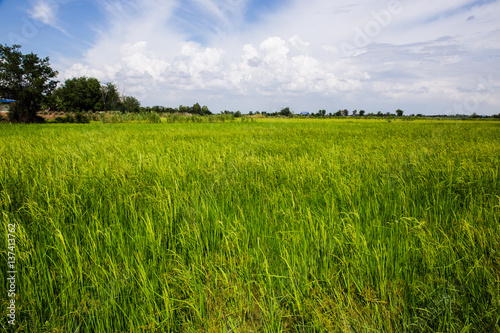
(276, 226)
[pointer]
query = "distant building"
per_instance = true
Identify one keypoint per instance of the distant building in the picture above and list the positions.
(304, 113)
(5, 104)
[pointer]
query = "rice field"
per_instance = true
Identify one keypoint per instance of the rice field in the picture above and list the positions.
(267, 226)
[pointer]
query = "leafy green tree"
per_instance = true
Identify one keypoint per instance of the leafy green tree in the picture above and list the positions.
(345, 112)
(158, 109)
(199, 110)
(184, 109)
(205, 111)
(321, 113)
(196, 109)
(399, 112)
(109, 97)
(361, 113)
(130, 104)
(27, 79)
(80, 94)
(286, 112)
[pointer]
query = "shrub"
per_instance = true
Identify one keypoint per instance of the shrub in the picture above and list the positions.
(152, 117)
(66, 119)
(81, 118)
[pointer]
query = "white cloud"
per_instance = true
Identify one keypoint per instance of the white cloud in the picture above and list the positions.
(45, 11)
(275, 50)
(417, 56)
(140, 61)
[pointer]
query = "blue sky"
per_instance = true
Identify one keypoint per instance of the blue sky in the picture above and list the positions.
(423, 57)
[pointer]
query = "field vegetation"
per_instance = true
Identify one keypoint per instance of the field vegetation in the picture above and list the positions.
(274, 225)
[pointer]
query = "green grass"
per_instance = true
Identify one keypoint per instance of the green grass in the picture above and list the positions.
(267, 226)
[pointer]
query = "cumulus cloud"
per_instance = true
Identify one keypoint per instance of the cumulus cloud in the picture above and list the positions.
(268, 68)
(309, 52)
(138, 60)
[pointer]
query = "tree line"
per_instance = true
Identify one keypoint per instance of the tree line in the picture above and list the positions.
(355, 113)
(88, 94)
(31, 82)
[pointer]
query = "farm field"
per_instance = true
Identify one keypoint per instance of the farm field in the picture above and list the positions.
(269, 226)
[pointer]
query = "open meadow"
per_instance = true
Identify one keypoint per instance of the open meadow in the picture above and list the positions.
(276, 225)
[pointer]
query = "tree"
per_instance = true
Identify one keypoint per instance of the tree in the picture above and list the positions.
(196, 109)
(109, 97)
(361, 113)
(158, 109)
(322, 113)
(399, 112)
(205, 111)
(184, 109)
(199, 110)
(80, 94)
(345, 112)
(130, 104)
(27, 79)
(286, 112)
